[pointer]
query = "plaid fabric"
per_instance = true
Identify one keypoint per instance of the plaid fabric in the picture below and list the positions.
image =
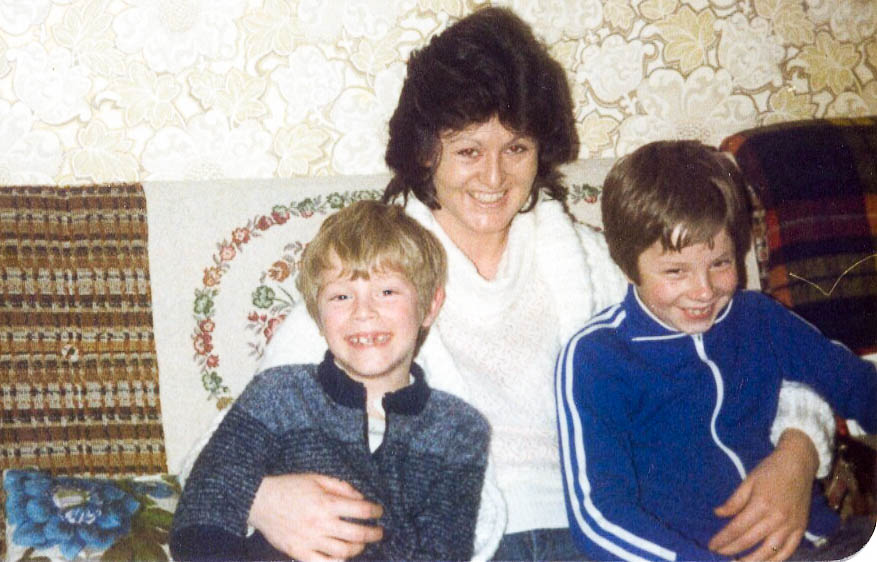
(816, 229)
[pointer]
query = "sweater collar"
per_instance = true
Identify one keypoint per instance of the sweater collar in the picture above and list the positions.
(543, 240)
(347, 392)
(646, 326)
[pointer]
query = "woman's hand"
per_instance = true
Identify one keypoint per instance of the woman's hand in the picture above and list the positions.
(772, 505)
(300, 515)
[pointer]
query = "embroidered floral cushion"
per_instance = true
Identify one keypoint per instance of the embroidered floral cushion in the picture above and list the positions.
(69, 518)
(223, 259)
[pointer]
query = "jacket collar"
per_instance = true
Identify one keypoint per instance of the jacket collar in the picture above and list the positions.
(347, 392)
(646, 326)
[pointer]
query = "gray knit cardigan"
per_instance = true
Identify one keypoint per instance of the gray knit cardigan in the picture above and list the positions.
(427, 473)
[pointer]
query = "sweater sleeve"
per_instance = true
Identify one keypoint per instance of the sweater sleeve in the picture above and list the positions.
(847, 382)
(219, 492)
(802, 409)
(444, 525)
(607, 519)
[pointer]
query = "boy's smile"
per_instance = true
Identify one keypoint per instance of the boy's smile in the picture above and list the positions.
(371, 325)
(687, 290)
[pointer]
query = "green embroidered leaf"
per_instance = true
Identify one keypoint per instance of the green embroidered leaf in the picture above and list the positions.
(122, 549)
(156, 517)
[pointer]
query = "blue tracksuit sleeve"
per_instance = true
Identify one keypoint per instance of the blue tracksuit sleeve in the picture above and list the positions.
(594, 402)
(847, 382)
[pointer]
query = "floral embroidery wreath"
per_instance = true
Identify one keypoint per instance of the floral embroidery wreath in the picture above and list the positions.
(271, 301)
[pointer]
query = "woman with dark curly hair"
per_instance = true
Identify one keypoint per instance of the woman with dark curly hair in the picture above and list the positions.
(484, 119)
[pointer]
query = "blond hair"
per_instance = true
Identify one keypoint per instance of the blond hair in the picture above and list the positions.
(369, 236)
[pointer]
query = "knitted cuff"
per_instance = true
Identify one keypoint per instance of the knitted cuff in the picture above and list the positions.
(801, 408)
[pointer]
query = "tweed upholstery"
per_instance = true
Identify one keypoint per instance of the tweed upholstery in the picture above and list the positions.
(77, 372)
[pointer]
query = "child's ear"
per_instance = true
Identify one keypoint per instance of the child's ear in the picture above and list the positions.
(434, 307)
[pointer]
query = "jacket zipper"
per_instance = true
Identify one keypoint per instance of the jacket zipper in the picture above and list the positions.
(720, 396)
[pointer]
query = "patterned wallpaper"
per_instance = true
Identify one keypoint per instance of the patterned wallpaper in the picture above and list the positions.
(123, 90)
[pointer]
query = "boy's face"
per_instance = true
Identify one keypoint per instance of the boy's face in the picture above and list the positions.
(686, 290)
(371, 325)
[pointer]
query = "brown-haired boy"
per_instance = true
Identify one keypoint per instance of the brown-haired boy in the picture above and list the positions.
(666, 401)
(373, 280)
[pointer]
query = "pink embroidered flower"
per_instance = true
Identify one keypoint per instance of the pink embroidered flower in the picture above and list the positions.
(212, 275)
(241, 236)
(203, 343)
(207, 325)
(279, 270)
(280, 214)
(271, 327)
(226, 252)
(213, 361)
(264, 222)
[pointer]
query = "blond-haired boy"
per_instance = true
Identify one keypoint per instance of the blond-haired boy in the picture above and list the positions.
(372, 279)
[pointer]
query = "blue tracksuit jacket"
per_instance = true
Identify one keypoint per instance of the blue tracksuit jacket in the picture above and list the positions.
(658, 427)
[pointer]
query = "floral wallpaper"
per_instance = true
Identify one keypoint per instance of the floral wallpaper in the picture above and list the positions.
(127, 90)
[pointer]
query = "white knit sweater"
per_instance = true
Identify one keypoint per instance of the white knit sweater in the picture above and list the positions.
(494, 344)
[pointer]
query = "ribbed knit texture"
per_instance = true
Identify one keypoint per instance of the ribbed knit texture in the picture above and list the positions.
(427, 473)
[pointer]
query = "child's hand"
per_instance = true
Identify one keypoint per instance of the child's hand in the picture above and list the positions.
(771, 506)
(300, 515)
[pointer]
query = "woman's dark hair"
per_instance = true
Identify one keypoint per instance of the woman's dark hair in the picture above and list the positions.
(487, 64)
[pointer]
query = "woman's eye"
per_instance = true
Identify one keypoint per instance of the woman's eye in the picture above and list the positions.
(673, 272)
(722, 263)
(468, 152)
(339, 298)
(518, 148)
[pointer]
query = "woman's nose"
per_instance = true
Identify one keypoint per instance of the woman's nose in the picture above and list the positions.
(492, 171)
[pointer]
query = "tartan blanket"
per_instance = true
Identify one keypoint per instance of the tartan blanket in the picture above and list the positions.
(78, 372)
(816, 220)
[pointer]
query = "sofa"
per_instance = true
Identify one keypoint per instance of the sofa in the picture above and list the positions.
(131, 315)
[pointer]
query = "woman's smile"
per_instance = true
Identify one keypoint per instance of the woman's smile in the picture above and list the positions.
(488, 198)
(484, 176)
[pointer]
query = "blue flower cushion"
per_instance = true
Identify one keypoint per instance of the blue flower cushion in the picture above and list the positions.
(70, 518)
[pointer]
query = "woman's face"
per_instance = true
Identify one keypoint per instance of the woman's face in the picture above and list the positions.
(484, 176)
